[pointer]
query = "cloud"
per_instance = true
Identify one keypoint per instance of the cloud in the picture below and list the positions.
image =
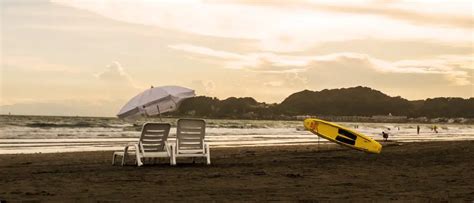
(428, 67)
(260, 61)
(413, 82)
(100, 94)
(205, 51)
(203, 87)
(293, 81)
(36, 64)
(454, 68)
(290, 26)
(63, 107)
(411, 16)
(115, 73)
(271, 76)
(411, 12)
(116, 82)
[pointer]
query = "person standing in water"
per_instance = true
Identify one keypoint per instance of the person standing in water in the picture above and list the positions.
(418, 129)
(385, 135)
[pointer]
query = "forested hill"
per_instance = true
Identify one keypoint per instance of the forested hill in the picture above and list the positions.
(354, 101)
(357, 101)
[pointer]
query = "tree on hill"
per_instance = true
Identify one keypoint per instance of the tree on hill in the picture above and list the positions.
(231, 107)
(354, 101)
(199, 106)
(446, 107)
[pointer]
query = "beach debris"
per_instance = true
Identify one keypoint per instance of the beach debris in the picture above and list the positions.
(293, 175)
(214, 175)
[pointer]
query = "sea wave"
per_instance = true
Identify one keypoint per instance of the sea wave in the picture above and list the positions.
(112, 132)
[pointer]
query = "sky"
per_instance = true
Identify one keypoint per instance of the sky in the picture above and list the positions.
(88, 58)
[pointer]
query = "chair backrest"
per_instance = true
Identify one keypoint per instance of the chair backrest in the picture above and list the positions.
(154, 136)
(190, 135)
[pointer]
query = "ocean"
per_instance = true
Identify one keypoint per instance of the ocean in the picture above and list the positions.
(49, 134)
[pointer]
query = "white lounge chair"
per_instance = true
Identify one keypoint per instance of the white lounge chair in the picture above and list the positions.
(152, 144)
(190, 140)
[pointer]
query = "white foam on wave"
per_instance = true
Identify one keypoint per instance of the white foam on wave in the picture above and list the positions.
(20, 138)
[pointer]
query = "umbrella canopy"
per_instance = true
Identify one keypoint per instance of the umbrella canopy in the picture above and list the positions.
(155, 101)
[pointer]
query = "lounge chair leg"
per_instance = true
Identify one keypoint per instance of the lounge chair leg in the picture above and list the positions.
(113, 159)
(208, 155)
(123, 160)
(125, 155)
(173, 159)
(139, 160)
(170, 153)
(173, 155)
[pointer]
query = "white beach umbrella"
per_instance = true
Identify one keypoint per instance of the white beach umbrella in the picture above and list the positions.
(155, 101)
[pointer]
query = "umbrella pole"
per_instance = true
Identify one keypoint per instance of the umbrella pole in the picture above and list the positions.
(318, 143)
(159, 113)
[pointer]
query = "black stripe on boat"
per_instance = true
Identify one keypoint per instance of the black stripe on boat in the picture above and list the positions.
(347, 134)
(345, 140)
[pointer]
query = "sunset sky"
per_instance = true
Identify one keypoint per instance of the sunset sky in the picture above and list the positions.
(88, 57)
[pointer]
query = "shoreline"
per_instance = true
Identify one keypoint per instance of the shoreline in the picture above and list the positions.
(87, 145)
(343, 119)
(424, 171)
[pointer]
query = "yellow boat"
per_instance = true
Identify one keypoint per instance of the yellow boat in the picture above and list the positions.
(342, 135)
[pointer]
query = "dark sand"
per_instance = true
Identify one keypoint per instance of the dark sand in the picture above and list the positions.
(409, 171)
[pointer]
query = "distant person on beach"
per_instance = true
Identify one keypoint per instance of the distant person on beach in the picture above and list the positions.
(385, 135)
(417, 129)
(435, 128)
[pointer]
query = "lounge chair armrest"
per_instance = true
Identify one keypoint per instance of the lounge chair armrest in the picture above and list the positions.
(125, 153)
(128, 146)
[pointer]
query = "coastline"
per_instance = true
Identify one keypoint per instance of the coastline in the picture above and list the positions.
(423, 171)
(345, 119)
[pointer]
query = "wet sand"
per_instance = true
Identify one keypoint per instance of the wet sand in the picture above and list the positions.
(404, 171)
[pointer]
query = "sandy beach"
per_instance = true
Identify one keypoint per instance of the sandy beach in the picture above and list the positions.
(403, 171)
